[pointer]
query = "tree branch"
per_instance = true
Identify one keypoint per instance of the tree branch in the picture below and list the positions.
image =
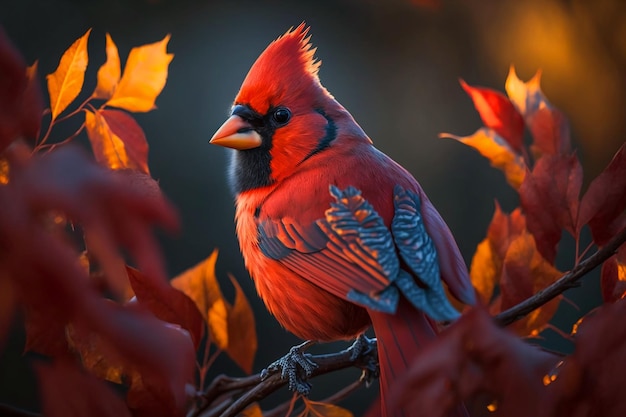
(256, 388)
(565, 282)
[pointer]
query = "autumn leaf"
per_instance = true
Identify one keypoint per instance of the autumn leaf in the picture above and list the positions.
(486, 266)
(149, 399)
(109, 73)
(549, 198)
(20, 96)
(66, 391)
(474, 356)
(548, 126)
(200, 284)
(66, 82)
(253, 410)
(591, 380)
(4, 171)
(242, 341)
(167, 303)
(498, 113)
(320, 409)
(525, 272)
(93, 353)
(8, 304)
(613, 276)
(144, 77)
(501, 155)
(485, 271)
(231, 327)
(603, 205)
(117, 140)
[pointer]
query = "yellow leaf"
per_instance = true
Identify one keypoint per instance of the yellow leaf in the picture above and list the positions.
(65, 83)
(144, 77)
(108, 148)
(498, 151)
(485, 270)
(242, 341)
(319, 409)
(525, 96)
(109, 73)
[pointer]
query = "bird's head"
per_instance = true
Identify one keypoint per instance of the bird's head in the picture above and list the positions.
(281, 116)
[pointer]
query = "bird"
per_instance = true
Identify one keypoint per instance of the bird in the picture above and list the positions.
(336, 235)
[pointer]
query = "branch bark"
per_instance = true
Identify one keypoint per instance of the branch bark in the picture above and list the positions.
(562, 284)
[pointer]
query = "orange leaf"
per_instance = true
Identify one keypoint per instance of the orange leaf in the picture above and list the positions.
(65, 83)
(253, 410)
(485, 270)
(231, 327)
(4, 171)
(498, 113)
(144, 77)
(242, 340)
(498, 151)
(109, 72)
(68, 392)
(117, 140)
(320, 409)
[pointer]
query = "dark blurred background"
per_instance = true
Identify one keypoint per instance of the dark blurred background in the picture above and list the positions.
(394, 64)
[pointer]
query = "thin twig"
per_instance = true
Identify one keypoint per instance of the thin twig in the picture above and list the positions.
(565, 282)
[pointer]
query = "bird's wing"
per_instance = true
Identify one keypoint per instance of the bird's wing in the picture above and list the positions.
(352, 254)
(349, 252)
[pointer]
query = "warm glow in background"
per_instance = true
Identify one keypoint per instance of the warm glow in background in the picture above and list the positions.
(394, 64)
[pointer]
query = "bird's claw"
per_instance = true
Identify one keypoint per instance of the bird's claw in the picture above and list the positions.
(296, 367)
(364, 352)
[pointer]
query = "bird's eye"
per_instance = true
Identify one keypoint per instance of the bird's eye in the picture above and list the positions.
(281, 115)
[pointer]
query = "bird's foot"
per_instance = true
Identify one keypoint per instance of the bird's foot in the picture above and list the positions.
(296, 366)
(365, 353)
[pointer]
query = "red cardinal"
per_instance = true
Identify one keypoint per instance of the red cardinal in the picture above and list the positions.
(336, 235)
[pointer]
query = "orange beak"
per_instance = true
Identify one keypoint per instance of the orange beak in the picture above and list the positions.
(236, 133)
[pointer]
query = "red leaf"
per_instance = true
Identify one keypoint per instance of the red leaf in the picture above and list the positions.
(549, 198)
(504, 228)
(68, 392)
(118, 142)
(498, 113)
(167, 303)
(525, 272)
(474, 356)
(591, 380)
(126, 128)
(21, 104)
(613, 276)
(603, 205)
(550, 130)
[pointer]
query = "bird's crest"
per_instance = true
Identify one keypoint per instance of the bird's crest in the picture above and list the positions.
(287, 68)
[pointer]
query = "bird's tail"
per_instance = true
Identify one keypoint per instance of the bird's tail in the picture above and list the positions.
(400, 337)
